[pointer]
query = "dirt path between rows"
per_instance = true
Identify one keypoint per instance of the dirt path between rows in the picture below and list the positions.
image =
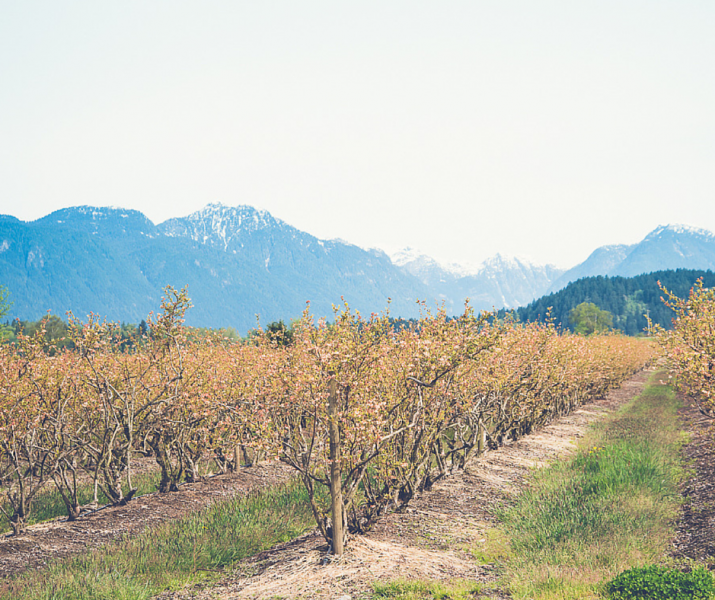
(435, 539)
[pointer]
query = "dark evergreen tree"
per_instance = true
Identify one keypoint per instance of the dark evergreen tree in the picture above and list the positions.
(628, 299)
(280, 334)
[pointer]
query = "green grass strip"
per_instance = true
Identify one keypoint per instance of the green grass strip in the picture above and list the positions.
(48, 504)
(174, 554)
(611, 507)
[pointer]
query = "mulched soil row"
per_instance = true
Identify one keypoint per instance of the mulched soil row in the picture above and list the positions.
(695, 531)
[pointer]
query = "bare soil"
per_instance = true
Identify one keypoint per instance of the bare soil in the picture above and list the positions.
(438, 538)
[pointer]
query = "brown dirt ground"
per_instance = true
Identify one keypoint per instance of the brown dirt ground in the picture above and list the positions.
(435, 539)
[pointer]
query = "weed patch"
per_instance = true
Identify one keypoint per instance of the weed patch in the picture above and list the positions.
(49, 505)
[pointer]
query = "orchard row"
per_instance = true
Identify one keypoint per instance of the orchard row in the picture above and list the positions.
(373, 412)
(690, 344)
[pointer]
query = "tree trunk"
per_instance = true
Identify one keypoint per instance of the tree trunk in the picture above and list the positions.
(18, 524)
(481, 438)
(336, 487)
(236, 459)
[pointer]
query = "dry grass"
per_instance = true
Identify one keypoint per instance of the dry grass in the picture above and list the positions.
(303, 571)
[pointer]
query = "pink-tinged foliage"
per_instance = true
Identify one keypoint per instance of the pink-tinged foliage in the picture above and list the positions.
(690, 345)
(411, 405)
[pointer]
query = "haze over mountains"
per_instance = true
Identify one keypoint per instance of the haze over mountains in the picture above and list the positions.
(239, 262)
(499, 281)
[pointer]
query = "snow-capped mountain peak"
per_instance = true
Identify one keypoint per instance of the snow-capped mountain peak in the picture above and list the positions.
(102, 220)
(679, 229)
(500, 280)
(220, 225)
(406, 255)
(507, 261)
(418, 259)
(666, 247)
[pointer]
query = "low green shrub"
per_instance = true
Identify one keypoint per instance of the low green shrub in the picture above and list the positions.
(662, 583)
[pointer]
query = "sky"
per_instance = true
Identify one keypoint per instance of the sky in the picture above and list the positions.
(462, 128)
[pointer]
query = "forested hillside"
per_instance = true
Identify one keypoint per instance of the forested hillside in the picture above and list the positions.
(628, 299)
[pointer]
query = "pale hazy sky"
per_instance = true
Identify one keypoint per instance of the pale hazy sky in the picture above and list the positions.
(542, 129)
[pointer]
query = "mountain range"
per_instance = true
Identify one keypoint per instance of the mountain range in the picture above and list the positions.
(239, 262)
(499, 281)
(667, 247)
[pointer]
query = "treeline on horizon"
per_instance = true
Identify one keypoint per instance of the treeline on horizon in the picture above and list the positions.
(57, 331)
(628, 299)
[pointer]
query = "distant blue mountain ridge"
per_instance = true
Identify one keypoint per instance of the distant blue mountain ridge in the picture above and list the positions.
(238, 263)
(667, 247)
(241, 264)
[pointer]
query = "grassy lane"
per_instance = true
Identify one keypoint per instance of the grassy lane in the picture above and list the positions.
(611, 507)
(584, 520)
(174, 554)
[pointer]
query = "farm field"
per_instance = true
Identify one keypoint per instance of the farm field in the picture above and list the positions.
(399, 457)
(447, 534)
